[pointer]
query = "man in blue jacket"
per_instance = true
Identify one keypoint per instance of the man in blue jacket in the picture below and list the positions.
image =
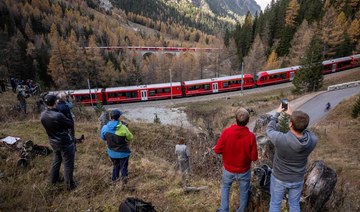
(57, 127)
(117, 136)
(291, 155)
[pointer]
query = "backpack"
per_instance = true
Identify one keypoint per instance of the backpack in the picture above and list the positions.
(132, 204)
(263, 174)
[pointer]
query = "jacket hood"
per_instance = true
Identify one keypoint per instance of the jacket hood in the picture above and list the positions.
(302, 143)
(112, 125)
(240, 131)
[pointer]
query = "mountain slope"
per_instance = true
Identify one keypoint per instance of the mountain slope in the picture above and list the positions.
(239, 7)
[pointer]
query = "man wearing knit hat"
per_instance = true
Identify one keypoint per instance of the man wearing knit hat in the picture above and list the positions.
(117, 136)
(57, 127)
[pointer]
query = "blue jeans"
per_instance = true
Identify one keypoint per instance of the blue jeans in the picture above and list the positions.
(244, 182)
(277, 191)
(120, 165)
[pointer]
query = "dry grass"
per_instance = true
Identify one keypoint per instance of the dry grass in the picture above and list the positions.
(338, 146)
(151, 168)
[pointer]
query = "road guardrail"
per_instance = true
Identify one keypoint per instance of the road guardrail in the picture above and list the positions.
(344, 85)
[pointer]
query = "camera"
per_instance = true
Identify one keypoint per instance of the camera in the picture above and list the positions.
(284, 103)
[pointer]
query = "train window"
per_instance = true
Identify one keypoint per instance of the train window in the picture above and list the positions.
(190, 88)
(197, 87)
(207, 87)
(167, 90)
(114, 95)
(131, 94)
(159, 90)
(273, 77)
(283, 76)
(152, 93)
(225, 84)
(261, 79)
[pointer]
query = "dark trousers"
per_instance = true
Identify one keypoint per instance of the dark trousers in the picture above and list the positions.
(68, 156)
(120, 165)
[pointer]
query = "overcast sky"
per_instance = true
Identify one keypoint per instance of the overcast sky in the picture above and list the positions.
(263, 3)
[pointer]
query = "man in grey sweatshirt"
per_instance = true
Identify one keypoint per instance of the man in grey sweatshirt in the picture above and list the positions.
(291, 155)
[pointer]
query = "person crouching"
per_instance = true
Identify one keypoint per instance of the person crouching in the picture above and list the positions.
(117, 136)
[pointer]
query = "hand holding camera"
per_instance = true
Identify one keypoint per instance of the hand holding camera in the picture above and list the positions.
(284, 107)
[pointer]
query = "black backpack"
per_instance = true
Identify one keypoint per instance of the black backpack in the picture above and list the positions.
(132, 204)
(263, 174)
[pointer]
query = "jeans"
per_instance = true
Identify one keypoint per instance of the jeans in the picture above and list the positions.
(68, 155)
(120, 165)
(244, 182)
(277, 191)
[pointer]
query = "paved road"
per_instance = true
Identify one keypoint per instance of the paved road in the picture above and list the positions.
(314, 103)
(315, 107)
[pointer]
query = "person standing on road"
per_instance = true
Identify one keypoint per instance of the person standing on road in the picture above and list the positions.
(292, 150)
(117, 137)
(238, 148)
(57, 127)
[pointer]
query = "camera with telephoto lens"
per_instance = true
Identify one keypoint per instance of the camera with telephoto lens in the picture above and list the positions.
(284, 103)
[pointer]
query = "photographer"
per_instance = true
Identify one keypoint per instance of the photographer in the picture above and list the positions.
(291, 155)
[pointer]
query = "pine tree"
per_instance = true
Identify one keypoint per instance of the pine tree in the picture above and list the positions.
(256, 59)
(354, 31)
(292, 13)
(272, 61)
(284, 122)
(309, 77)
(333, 27)
(300, 42)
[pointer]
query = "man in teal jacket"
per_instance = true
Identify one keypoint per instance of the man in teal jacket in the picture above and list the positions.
(117, 136)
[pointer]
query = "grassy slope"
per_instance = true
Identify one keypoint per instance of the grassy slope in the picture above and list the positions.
(152, 175)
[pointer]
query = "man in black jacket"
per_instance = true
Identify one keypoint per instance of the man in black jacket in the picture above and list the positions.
(57, 127)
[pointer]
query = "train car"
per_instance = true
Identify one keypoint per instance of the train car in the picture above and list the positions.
(199, 87)
(338, 64)
(276, 76)
(143, 92)
(88, 97)
(355, 61)
(122, 94)
(230, 83)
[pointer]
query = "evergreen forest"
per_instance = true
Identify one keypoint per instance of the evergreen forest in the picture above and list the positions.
(45, 40)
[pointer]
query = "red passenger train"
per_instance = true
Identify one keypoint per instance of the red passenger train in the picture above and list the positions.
(203, 86)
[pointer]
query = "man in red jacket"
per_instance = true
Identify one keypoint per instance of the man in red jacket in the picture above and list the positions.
(238, 148)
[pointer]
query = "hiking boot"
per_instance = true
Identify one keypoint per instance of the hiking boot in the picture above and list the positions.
(72, 186)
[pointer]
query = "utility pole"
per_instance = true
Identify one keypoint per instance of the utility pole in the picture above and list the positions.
(88, 81)
(242, 78)
(171, 93)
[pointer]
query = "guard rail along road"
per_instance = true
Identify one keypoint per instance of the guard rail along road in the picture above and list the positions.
(343, 86)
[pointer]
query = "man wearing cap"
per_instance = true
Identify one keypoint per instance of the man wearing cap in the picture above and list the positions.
(117, 136)
(238, 148)
(57, 127)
